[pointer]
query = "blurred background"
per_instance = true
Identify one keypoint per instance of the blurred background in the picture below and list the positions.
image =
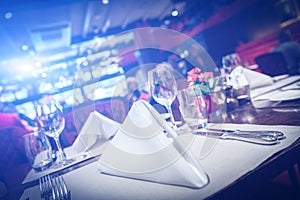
(59, 47)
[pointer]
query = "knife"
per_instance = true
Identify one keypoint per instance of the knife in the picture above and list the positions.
(261, 138)
(278, 134)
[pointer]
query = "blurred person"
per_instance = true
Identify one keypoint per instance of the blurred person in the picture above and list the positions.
(13, 164)
(178, 64)
(135, 92)
(9, 115)
(290, 50)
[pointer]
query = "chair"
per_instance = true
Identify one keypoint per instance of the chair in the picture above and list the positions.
(272, 64)
(13, 162)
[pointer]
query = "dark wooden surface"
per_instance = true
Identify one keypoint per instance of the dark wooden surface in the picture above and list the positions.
(285, 113)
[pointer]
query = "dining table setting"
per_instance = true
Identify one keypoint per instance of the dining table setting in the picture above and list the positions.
(148, 156)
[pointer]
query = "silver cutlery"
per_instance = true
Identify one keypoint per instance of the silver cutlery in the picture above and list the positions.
(45, 185)
(278, 134)
(260, 137)
(60, 190)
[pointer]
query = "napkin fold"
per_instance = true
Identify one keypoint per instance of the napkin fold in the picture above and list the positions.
(97, 129)
(255, 79)
(141, 150)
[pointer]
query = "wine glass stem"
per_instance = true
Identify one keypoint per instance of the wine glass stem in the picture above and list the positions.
(171, 116)
(61, 154)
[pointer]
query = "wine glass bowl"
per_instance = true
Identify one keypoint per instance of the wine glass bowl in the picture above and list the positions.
(163, 95)
(230, 61)
(50, 118)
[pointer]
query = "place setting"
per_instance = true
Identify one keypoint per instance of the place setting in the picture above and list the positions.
(41, 154)
(148, 150)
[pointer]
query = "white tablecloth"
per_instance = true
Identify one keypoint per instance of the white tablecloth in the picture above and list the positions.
(223, 160)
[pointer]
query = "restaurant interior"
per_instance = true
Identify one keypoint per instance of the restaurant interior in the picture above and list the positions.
(83, 52)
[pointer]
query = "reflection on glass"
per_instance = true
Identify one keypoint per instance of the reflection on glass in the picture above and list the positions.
(193, 107)
(163, 87)
(51, 122)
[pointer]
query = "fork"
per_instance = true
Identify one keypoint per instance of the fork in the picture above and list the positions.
(60, 190)
(45, 187)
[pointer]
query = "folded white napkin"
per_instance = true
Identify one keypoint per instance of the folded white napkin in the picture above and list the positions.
(255, 79)
(97, 129)
(141, 150)
(277, 89)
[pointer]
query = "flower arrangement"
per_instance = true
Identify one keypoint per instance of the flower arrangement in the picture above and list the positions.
(203, 80)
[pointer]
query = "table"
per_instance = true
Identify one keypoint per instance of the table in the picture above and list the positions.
(288, 113)
(285, 114)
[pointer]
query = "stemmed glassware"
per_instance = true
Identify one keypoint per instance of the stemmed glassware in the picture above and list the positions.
(230, 61)
(50, 119)
(163, 87)
(235, 78)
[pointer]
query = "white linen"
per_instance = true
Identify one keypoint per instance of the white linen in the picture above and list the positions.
(90, 142)
(255, 79)
(285, 95)
(294, 86)
(70, 153)
(97, 128)
(141, 150)
(223, 160)
(265, 93)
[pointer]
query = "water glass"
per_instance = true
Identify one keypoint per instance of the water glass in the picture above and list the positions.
(242, 95)
(231, 61)
(38, 151)
(192, 107)
(236, 79)
(241, 88)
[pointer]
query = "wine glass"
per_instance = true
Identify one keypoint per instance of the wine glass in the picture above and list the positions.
(50, 119)
(235, 78)
(230, 61)
(163, 87)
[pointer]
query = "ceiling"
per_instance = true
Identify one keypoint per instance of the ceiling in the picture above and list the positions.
(38, 26)
(57, 24)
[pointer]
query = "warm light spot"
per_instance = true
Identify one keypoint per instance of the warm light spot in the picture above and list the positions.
(167, 22)
(175, 13)
(8, 15)
(25, 47)
(38, 64)
(44, 75)
(105, 2)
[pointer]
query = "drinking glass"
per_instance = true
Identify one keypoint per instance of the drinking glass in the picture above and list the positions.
(230, 61)
(192, 107)
(51, 122)
(38, 151)
(163, 88)
(241, 88)
(236, 81)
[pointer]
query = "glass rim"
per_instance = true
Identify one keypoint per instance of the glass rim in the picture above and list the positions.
(32, 133)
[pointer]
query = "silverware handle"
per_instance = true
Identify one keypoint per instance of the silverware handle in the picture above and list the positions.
(266, 139)
(277, 134)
